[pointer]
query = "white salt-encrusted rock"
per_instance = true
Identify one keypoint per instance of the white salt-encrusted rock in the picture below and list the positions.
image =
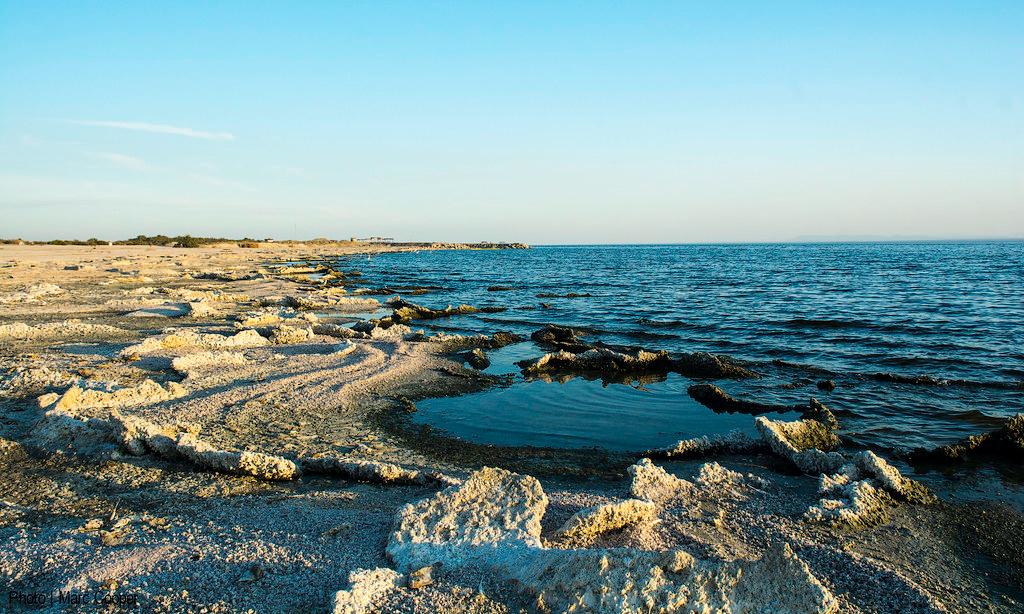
(187, 339)
(31, 294)
(199, 361)
(365, 586)
(395, 332)
(599, 519)
(202, 309)
(362, 470)
(492, 522)
(652, 483)
(803, 442)
(69, 329)
(337, 330)
(284, 334)
(257, 464)
(861, 492)
(146, 393)
(735, 442)
(494, 507)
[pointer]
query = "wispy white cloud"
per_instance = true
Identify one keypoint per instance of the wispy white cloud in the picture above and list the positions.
(156, 128)
(122, 160)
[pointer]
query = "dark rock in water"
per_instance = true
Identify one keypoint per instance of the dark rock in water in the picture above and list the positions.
(405, 312)
(816, 410)
(704, 364)
(1003, 444)
(556, 334)
(598, 360)
(545, 305)
(928, 380)
(716, 399)
(569, 295)
(575, 355)
(499, 288)
(827, 385)
(477, 359)
(502, 338)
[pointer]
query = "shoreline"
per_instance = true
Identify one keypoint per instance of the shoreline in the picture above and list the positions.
(167, 525)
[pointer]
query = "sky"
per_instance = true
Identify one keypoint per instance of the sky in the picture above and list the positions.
(544, 122)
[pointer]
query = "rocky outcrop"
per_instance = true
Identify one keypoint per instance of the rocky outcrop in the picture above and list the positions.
(735, 442)
(652, 483)
(712, 366)
(200, 361)
(862, 491)
(365, 587)
(69, 329)
(477, 359)
(338, 331)
(492, 522)
(284, 334)
(576, 356)
(804, 442)
(256, 464)
(599, 519)
(146, 393)
(599, 361)
(718, 400)
(1005, 444)
(187, 339)
(363, 470)
(31, 294)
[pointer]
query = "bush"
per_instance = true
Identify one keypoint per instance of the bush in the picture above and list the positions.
(248, 244)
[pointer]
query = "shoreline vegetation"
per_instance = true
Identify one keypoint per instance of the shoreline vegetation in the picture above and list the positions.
(189, 429)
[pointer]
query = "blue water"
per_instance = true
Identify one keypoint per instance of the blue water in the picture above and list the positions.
(952, 311)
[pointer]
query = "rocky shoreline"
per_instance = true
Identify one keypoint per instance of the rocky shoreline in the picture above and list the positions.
(227, 429)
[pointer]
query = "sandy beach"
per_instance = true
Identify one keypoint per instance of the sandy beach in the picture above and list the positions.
(224, 429)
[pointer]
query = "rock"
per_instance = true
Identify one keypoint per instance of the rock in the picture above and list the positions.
(561, 337)
(715, 398)
(363, 470)
(703, 364)
(69, 329)
(735, 442)
(599, 519)
(827, 385)
(477, 359)
(802, 442)
(861, 492)
(200, 361)
(365, 586)
(493, 507)
(492, 521)
(652, 483)
(338, 331)
(1005, 444)
(31, 294)
(499, 288)
(597, 360)
(289, 335)
(202, 309)
(424, 576)
(187, 339)
(256, 464)
(146, 393)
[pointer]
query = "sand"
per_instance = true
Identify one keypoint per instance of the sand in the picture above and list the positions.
(201, 428)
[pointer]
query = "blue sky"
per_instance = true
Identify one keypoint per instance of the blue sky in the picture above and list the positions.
(543, 122)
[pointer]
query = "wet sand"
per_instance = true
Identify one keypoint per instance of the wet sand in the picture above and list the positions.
(259, 454)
